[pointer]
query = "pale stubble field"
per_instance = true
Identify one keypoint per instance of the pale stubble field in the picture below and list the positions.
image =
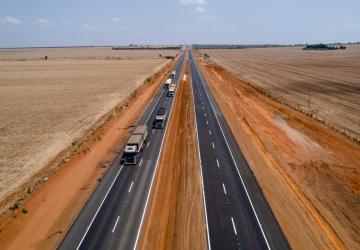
(288, 74)
(46, 104)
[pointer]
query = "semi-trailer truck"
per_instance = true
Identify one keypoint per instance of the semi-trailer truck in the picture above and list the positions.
(173, 74)
(135, 145)
(160, 118)
(167, 83)
(171, 91)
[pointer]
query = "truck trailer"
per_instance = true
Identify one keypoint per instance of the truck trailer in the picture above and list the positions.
(160, 118)
(135, 145)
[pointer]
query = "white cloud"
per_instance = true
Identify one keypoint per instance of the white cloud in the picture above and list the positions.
(42, 21)
(88, 27)
(199, 9)
(116, 19)
(194, 2)
(9, 19)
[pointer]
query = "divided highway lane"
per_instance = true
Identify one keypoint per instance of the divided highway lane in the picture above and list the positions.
(112, 218)
(238, 216)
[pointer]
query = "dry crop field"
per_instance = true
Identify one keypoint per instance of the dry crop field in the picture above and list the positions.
(46, 104)
(288, 74)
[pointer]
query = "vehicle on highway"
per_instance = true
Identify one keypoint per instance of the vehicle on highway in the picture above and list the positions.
(171, 91)
(160, 118)
(173, 74)
(167, 83)
(135, 145)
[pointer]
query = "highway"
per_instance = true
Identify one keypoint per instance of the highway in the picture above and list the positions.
(112, 218)
(237, 213)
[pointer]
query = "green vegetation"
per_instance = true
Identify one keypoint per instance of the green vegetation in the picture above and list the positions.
(322, 46)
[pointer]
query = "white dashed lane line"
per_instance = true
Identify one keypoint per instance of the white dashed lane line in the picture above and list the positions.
(213, 145)
(224, 188)
(130, 187)
(217, 162)
(116, 222)
(233, 224)
(140, 162)
(209, 132)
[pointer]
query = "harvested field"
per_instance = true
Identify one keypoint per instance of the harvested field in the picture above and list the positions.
(288, 74)
(46, 105)
(309, 173)
(175, 216)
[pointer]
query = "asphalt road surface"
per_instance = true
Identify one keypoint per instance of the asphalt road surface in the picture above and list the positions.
(112, 218)
(237, 214)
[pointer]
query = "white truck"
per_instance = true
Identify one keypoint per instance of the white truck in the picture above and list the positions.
(167, 83)
(172, 89)
(173, 74)
(135, 145)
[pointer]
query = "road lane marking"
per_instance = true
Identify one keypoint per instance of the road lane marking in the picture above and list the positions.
(233, 224)
(217, 162)
(140, 162)
(201, 173)
(213, 145)
(97, 211)
(205, 114)
(237, 169)
(132, 183)
(116, 222)
(207, 122)
(209, 132)
(154, 173)
(153, 130)
(224, 188)
(148, 144)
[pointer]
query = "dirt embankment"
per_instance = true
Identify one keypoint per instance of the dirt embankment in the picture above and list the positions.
(309, 173)
(54, 205)
(175, 217)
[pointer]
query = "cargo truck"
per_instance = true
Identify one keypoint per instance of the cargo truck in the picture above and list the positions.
(160, 118)
(171, 91)
(173, 74)
(135, 145)
(168, 83)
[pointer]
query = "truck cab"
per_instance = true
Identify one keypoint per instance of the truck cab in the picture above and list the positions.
(160, 118)
(171, 92)
(135, 145)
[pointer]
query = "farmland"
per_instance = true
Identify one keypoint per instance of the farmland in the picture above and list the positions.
(322, 84)
(50, 103)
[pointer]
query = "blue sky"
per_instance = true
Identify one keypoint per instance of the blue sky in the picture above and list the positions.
(110, 22)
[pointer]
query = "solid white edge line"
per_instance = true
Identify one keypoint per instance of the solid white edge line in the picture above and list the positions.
(132, 183)
(116, 222)
(242, 181)
(97, 211)
(152, 178)
(233, 224)
(224, 188)
(201, 174)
